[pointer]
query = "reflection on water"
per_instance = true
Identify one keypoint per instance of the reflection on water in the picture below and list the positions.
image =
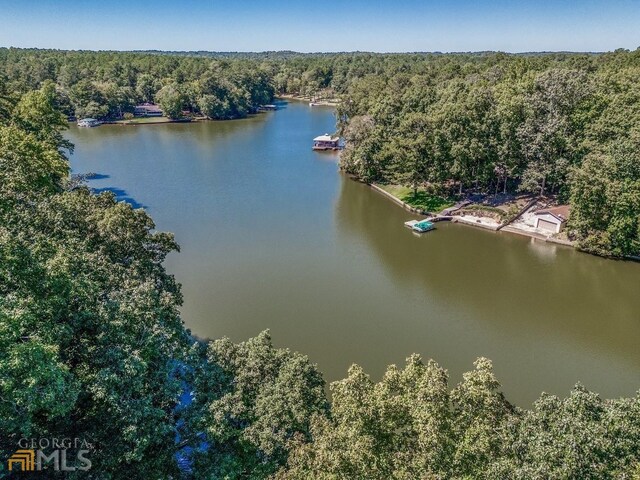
(272, 236)
(544, 251)
(542, 312)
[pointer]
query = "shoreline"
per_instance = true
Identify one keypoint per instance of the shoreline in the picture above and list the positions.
(165, 120)
(160, 121)
(332, 102)
(499, 228)
(395, 199)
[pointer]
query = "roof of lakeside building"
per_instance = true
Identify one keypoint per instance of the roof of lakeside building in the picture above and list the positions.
(326, 138)
(149, 107)
(561, 212)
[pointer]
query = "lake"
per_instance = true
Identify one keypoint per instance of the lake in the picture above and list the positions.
(273, 236)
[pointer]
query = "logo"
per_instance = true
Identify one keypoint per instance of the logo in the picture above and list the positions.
(24, 458)
(62, 455)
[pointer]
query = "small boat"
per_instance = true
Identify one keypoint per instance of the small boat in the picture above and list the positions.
(267, 108)
(314, 104)
(423, 226)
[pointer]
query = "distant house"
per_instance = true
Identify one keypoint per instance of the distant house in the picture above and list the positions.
(552, 220)
(147, 110)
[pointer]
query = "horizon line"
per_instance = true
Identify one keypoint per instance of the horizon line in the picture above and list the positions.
(334, 52)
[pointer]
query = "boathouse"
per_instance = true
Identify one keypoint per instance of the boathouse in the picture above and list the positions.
(88, 122)
(552, 220)
(326, 142)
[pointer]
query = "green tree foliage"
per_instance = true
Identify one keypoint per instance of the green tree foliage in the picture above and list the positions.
(550, 135)
(410, 426)
(109, 84)
(605, 195)
(146, 87)
(85, 295)
(38, 113)
(478, 408)
(87, 100)
(252, 400)
(27, 166)
(5, 100)
(89, 321)
(581, 436)
(495, 122)
(213, 107)
(361, 144)
(171, 100)
(398, 428)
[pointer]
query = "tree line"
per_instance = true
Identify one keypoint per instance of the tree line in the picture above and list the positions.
(107, 85)
(92, 347)
(564, 126)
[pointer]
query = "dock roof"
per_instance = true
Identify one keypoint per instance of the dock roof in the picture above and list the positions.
(326, 138)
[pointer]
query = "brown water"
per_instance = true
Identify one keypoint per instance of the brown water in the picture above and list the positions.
(274, 237)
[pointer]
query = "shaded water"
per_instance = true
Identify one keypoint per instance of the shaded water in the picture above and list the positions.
(272, 236)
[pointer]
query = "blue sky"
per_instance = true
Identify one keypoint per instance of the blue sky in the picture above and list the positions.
(373, 25)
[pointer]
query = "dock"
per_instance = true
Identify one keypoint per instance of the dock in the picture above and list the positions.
(437, 218)
(420, 226)
(326, 142)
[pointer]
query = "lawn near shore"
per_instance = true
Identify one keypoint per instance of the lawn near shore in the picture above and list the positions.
(144, 120)
(421, 200)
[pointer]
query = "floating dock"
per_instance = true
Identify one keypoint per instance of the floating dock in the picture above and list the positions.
(420, 226)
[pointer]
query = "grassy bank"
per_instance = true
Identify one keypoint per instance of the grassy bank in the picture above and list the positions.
(421, 200)
(144, 120)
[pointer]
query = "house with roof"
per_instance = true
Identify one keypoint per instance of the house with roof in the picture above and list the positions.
(147, 110)
(552, 220)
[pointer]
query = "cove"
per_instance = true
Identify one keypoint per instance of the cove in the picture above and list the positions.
(273, 236)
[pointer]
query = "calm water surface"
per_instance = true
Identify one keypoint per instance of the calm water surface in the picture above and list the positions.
(272, 236)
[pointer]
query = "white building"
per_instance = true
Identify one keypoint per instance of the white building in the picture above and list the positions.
(552, 220)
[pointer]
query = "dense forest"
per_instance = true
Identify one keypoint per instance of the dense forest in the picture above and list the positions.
(561, 125)
(92, 345)
(108, 85)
